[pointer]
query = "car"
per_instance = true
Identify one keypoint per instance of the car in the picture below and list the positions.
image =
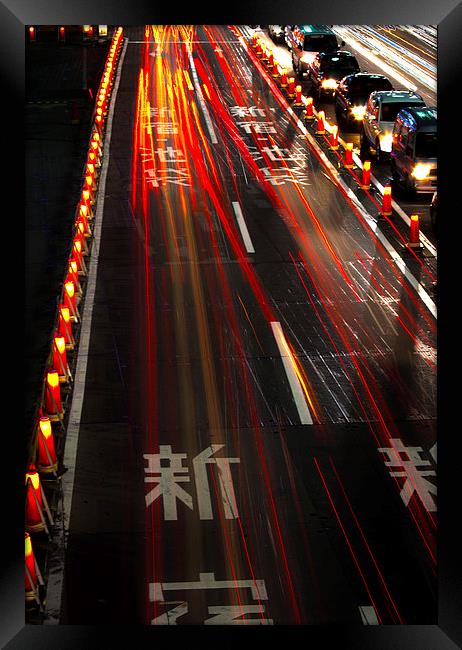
(434, 210)
(379, 119)
(352, 93)
(276, 33)
(328, 68)
(308, 40)
(414, 149)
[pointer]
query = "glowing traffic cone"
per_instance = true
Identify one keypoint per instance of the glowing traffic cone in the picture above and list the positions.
(309, 114)
(89, 183)
(334, 138)
(291, 88)
(320, 128)
(78, 256)
(53, 406)
(366, 180)
(254, 41)
(87, 199)
(47, 462)
(73, 274)
(265, 55)
(33, 576)
(99, 123)
(349, 155)
(283, 77)
(275, 72)
(60, 359)
(80, 235)
(386, 201)
(62, 34)
(70, 299)
(270, 59)
(298, 96)
(414, 233)
(65, 328)
(32, 34)
(36, 505)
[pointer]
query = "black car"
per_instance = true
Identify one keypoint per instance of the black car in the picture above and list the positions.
(327, 68)
(352, 93)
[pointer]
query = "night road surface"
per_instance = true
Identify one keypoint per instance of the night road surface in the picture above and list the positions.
(257, 439)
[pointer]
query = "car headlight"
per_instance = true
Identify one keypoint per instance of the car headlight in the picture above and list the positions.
(329, 84)
(386, 141)
(307, 57)
(421, 171)
(358, 112)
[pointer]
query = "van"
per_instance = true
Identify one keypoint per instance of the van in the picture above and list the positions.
(377, 126)
(414, 149)
(305, 41)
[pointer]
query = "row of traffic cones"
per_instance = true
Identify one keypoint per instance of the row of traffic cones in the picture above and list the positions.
(45, 464)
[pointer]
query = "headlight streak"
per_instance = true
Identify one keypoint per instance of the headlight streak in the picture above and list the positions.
(372, 391)
(208, 185)
(350, 548)
(413, 298)
(365, 44)
(354, 207)
(188, 114)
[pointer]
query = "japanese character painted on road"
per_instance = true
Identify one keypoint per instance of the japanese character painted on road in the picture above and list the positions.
(166, 175)
(247, 111)
(167, 470)
(222, 614)
(281, 175)
(408, 460)
(165, 128)
(257, 127)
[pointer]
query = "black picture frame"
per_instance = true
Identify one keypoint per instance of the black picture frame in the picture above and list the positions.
(447, 14)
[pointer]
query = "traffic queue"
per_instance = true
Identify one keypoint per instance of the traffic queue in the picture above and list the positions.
(396, 127)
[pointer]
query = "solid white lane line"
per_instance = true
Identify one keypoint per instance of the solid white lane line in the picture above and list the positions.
(55, 582)
(368, 615)
(203, 106)
(243, 228)
(295, 385)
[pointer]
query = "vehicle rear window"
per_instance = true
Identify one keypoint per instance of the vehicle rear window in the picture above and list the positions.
(391, 109)
(319, 43)
(347, 66)
(425, 145)
(360, 90)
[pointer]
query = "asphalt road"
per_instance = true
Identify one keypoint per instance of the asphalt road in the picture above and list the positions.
(380, 57)
(255, 345)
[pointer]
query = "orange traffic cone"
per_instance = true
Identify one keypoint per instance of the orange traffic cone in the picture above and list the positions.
(53, 406)
(32, 573)
(414, 234)
(47, 463)
(35, 503)
(59, 358)
(64, 327)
